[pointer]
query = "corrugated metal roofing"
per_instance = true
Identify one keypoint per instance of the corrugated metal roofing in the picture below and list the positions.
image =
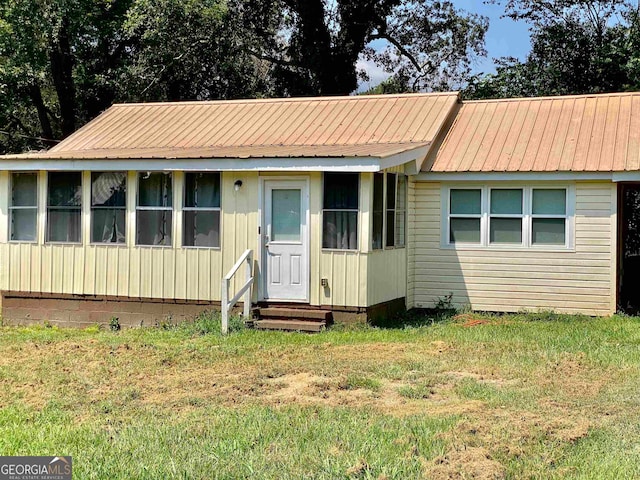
(377, 125)
(589, 133)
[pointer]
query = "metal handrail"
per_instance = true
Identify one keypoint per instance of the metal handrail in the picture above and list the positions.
(227, 304)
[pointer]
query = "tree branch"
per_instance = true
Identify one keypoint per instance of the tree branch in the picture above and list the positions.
(403, 51)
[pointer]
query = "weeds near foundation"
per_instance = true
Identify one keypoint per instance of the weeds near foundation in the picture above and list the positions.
(114, 324)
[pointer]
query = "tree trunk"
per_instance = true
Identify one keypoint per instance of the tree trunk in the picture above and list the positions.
(35, 94)
(61, 61)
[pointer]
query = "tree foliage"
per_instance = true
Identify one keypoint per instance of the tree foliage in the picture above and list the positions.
(64, 61)
(578, 46)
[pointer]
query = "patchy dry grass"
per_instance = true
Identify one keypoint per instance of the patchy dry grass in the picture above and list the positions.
(535, 396)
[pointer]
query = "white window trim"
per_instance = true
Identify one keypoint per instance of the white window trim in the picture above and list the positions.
(11, 208)
(146, 208)
(521, 216)
(201, 209)
(445, 226)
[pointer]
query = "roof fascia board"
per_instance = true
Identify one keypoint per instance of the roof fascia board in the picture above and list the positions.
(342, 164)
(514, 176)
(626, 177)
(413, 155)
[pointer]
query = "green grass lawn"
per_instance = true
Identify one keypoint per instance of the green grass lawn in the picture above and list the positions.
(520, 396)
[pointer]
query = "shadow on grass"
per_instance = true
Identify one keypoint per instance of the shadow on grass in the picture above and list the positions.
(415, 318)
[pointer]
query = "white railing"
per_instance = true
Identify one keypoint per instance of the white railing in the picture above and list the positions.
(227, 304)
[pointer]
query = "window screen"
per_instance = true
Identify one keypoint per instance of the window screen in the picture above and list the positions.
(64, 207)
(549, 217)
(378, 210)
(23, 210)
(201, 211)
(154, 208)
(340, 211)
(108, 207)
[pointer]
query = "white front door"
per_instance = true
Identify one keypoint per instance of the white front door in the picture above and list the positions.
(286, 240)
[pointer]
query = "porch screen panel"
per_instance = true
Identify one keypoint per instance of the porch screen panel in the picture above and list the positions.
(108, 207)
(154, 209)
(340, 212)
(378, 211)
(23, 210)
(391, 209)
(401, 211)
(64, 207)
(201, 211)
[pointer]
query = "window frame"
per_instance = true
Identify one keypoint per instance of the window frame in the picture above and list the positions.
(139, 208)
(11, 208)
(125, 209)
(200, 209)
(521, 216)
(385, 210)
(533, 216)
(527, 190)
(79, 208)
(357, 210)
(447, 234)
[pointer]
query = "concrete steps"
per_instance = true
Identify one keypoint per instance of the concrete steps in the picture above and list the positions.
(291, 319)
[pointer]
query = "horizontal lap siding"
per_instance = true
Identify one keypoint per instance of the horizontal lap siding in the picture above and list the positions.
(573, 281)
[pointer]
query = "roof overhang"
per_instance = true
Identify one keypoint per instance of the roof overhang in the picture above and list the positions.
(524, 176)
(271, 164)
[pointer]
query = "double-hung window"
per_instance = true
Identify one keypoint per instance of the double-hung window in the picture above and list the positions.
(154, 208)
(201, 210)
(64, 207)
(549, 216)
(340, 211)
(465, 216)
(506, 213)
(23, 210)
(108, 207)
(517, 217)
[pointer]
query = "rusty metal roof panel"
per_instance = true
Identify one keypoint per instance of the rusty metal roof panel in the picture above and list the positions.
(325, 126)
(586, 133)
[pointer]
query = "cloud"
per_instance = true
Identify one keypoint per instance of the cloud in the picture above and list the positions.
(375, 72)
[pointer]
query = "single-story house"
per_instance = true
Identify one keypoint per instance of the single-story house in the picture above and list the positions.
(349, 206)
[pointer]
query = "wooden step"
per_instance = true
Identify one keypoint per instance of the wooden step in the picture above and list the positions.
(290, 325)
(276, 313)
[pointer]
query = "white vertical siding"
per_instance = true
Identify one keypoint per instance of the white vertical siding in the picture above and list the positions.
(580, 280)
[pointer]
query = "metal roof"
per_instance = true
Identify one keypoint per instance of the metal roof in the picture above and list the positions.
(358, 126)
(588, 133)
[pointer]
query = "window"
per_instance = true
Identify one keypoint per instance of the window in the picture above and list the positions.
(401, 212)
(389, 212)
(154, 209)
(549, 217)
(506, 213)
(64, 207)
(23, 211)
(527, 216)
(340, 211)
(391, 209)
(201, 211)
(378, 211)
(108, 207)
(465, 215)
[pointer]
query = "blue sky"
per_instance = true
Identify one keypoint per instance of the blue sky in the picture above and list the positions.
(505, 38)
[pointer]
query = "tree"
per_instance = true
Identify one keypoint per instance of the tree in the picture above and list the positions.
(315, 46)
(577, 47)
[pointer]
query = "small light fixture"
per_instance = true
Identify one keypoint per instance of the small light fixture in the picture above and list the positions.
(237, 185)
